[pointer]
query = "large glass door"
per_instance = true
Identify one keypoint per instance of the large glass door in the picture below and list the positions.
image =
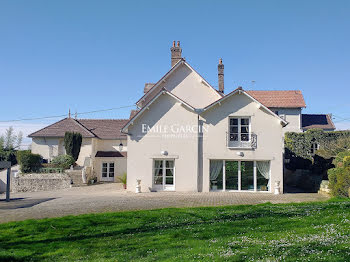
(163, 174)
(239, 175)
(247, 175)
(231, 173)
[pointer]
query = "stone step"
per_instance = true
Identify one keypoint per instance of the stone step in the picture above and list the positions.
(77, 180)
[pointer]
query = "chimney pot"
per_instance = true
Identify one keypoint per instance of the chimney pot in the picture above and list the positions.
(221, 76)
(175, 53)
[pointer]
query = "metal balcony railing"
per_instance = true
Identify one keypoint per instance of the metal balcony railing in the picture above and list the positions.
(241, 140)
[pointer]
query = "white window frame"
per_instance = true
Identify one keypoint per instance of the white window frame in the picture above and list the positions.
(164, 186)
(108, 177)
(239, 142)
(239, 186)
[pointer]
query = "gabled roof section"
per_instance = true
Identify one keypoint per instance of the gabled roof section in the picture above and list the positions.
(279, 98)
(105, 128)
(88, 128)
(163, 91)
(182, 61)
(241, 91)
(322, 121)
(59, 128)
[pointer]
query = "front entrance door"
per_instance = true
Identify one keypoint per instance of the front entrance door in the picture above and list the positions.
(107, 171)
(164, 174)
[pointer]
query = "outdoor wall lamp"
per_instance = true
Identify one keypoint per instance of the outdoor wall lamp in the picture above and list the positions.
(240, 153)
(121, 147)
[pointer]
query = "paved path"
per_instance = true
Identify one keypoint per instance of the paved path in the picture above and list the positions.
(109, 197)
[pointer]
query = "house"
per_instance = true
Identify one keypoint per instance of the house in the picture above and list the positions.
(185, 135)
(104, 147)
(188, 136)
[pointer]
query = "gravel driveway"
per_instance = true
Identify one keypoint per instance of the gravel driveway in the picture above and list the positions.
(110, 197)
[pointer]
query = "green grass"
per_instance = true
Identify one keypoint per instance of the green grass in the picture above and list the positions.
(284, 232)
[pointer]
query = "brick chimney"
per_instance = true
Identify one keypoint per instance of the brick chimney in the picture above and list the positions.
(221, 76)
(175, 53)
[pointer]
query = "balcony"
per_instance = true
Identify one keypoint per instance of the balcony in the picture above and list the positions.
(241, 140)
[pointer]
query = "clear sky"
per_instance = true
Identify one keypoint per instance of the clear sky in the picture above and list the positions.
(91, 55)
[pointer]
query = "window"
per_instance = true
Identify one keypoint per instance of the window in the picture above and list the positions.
(107, 171)
(164, 174)
(276, 112)
(239, 175)
(239, 131)
(314, 147)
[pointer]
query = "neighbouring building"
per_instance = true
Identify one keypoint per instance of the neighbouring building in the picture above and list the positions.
(185, 135)
(104, 147)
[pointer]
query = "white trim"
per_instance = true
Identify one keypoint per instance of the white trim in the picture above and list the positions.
(158, 157)
(164, 186)
(162, 92)
(180, 62)
(239, 177)
(108, 178)
(223, 175)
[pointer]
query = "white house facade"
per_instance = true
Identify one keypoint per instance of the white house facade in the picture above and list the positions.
(187, 136)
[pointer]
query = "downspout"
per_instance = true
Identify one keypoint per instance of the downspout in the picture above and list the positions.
(199, 152)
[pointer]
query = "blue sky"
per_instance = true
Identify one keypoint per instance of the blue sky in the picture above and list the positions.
(91, 55)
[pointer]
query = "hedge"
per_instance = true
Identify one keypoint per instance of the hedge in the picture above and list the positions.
(29, 162)
(300, 143)
(339, 177)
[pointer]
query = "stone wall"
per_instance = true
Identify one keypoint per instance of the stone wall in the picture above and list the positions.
(39, 182)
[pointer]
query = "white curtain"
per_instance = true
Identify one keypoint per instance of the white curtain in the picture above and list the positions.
(264, 169)
(157, 167)
(215, 168)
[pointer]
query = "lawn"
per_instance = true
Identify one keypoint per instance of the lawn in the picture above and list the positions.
(284, 232)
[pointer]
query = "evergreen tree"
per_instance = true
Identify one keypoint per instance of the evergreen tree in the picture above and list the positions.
(72, 144)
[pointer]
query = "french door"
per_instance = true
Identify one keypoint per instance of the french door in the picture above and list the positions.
(107, 173)
(164, 174)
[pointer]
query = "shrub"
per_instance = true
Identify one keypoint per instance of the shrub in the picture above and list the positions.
(338, 160)
(346, 161)
(72, 144)
(339, 181)
(63, 161)
(122, 179)
(30, 162)
(19, 155)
